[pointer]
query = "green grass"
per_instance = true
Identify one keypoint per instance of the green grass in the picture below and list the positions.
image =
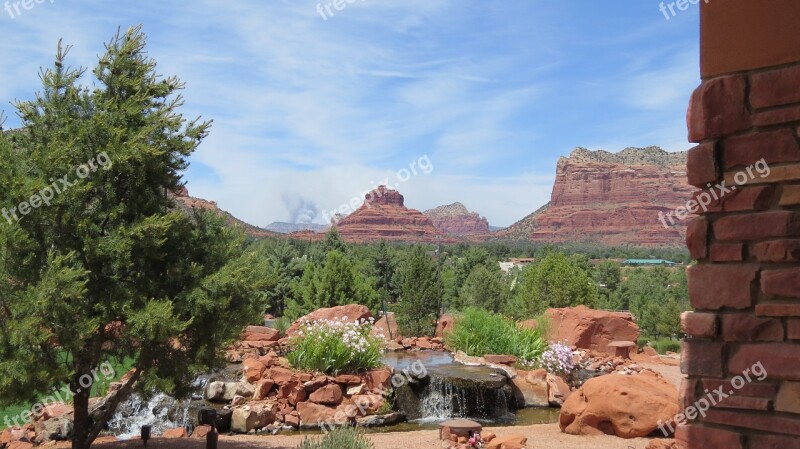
(665, 344)
(99, 388)
(478, 332)
(340, 348)
(345, 438)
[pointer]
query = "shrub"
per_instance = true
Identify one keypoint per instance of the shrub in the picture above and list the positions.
(345, 438)
(664, 345)
(478, 332)
(282, 324)
(335, 347)
(556, 359)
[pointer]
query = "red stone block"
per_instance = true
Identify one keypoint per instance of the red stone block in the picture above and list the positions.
(777, 251)
(773, 224)
(779, 360)
(712, 287)
(777, 116)
(697, 238)
(755, 421)
(702, 358)
(753, 389)
(745, 403)
(727, 252)
(789, 310)
(699, 325)
(773, 146)
(717, 108)
(781, 282)
(746, 327)
(775, 88)
(773, 442)
(793, 329)
(790, 196)
(688, 392)
(708, 438)
(701, 165)
(748, 198)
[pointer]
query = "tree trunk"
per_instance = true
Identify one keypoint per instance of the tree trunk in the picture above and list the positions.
(83, 424)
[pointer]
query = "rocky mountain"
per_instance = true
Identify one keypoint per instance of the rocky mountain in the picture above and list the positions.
(287, 228)
(384, 216)
(455, 219)
(186, 203)
(612, 199)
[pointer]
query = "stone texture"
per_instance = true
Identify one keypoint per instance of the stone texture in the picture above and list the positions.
(774, 147)
(781, 282)
(762, 422)
(260, 333)
(727, 252)
(788, 398)
(790, 195)
(455, 219)
(706, 437)
(697, 238)
(778, 310)
(775, 87)
(178, 432)
(253, 369)
(702, 358)
(701, 165)
(330, 394)
(700, 325)
(777, 251)
(779, 360)
(717, 108)
(586, 328)
(613, 199)
(746, 327)
(764, 225)
(531, 388)
(626, 406)
(713, 287)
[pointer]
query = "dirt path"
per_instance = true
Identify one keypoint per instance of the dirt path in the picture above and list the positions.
(539, 436)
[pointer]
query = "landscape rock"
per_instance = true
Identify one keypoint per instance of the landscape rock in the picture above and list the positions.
(178, 432)
(253, 369)
(353, 312)
(531, 388)
(201, 432)
(54, 429)
(559, 390)
(260, 333)
(330, 394)
(444, 326)
(508, 442)
(586, 328)
(625, 406)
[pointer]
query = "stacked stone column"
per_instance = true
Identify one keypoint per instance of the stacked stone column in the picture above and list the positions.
(746, 286)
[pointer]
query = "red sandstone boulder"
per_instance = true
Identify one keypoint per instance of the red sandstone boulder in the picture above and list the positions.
(508, 442)
(253, 370)
(500, 359)
(444, 326)
(379, 379)
(531, 388)
(330, 394)
(559, 390)
(262, 389)
(260, 333)
(55, 410)
(19, 445)
(201, 432)
(350, 313)
(281, 375)
(586, 328)
(625, 406)
(368, 403)
(384, 325)
(312, 414)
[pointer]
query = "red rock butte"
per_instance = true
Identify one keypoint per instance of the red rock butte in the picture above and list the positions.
(455, 219)
(384, 216)
(612, 199)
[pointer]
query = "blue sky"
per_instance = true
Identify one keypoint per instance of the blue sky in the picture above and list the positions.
(310, 113)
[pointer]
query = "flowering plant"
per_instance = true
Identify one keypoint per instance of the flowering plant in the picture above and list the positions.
(336, 346)
(557, 359)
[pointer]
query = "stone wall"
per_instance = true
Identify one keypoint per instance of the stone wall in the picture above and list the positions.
(746, 286)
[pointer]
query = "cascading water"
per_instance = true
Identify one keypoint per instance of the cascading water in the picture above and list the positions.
(451, 390)
(161, 412)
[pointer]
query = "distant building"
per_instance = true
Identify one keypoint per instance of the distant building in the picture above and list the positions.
(512, 263)
(649, 263)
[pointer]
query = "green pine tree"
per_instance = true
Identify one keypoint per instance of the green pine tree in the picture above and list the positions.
(419, 297)
(107, 269)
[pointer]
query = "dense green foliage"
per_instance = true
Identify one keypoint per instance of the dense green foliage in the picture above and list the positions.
(478, 332)
(335, 347)
(340, 438)
(106, 259)
(419, 298)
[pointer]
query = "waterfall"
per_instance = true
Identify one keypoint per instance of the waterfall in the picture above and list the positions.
(442, 399)
(161, 412)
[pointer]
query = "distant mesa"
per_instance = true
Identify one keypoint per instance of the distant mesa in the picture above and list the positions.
(456, 220)
(611, 198)
(384, 216)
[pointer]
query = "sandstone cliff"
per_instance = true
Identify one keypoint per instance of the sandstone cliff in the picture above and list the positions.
(455, 219)
(383, 216)
(612, 199)
(186, 203)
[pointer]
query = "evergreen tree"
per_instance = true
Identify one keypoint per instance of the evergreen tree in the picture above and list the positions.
(104, 268)
(419, 298)
(554, 281)
(486, 289)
